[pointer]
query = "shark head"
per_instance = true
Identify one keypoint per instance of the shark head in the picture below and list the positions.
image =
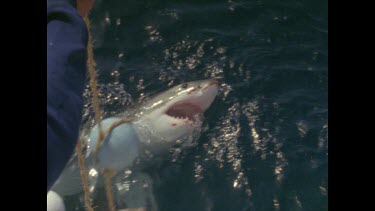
(175, 113)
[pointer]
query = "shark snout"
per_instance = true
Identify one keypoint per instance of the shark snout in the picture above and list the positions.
(212, 82)
(207, 93)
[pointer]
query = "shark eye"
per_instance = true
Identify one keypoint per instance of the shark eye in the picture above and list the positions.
(185, 85)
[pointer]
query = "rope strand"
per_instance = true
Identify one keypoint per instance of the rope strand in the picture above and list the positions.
(108, 174)
(91, 66)
(81, 164)
(96, 104)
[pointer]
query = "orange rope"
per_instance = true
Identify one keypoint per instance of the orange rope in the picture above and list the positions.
(81, 163)
(96, 104)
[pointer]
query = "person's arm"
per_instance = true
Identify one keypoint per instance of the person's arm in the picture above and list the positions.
(67, 39)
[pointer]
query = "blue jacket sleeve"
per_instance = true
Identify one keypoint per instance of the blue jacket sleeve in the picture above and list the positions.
(67, 39)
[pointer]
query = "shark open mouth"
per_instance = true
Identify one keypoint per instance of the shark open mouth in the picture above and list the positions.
(184, 110)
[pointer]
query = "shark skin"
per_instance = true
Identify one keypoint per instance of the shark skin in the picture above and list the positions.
(158, 124)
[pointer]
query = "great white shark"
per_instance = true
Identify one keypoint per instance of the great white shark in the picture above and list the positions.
(159, 123)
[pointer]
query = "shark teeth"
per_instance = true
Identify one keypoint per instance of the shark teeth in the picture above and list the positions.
(184, 118)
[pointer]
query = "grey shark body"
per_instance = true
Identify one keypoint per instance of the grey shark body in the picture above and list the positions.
(159, 124)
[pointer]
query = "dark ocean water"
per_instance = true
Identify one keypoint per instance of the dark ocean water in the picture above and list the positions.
(265, 140)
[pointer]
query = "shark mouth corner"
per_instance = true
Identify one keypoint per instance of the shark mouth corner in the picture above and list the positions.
(184, 111)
